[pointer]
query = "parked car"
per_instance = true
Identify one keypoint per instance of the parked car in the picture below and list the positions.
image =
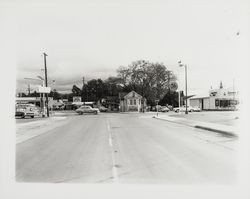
(103, 109)
(87, 109)
(153, 108)
(30, 110)
(181, 109)
(194, 109)
(163, 109)
(189, 109)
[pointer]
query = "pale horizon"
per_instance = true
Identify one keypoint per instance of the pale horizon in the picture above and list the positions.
(92, 39)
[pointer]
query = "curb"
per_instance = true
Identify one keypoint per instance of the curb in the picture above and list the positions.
(202, 127)
(176, 122)
(215, 130)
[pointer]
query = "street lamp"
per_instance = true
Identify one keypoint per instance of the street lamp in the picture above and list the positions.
(180, 64)
(157, 101)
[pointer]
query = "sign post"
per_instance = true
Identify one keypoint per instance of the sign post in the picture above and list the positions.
(157, 101)
(42, 90)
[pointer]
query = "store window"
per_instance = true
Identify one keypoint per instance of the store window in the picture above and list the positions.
(217, 102)
(131, 102)
(134, 101)
(233, 102)
(225, 103)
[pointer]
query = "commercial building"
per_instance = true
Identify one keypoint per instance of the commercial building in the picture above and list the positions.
(29, 100)
(218, 99)
(38, 101)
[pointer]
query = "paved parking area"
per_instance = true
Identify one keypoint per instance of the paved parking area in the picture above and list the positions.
(221, 117)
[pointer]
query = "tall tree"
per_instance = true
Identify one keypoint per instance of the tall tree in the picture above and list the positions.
(151, 80)
(55, 94)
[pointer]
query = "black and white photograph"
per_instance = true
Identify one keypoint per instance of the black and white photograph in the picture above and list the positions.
(125, 99)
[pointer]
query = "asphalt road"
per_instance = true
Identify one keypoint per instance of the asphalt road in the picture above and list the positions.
(125, 148)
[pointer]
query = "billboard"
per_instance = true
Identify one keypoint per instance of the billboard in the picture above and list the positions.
(43, 89)
(77, 99)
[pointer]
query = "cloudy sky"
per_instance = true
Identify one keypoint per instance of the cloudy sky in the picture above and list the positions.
(93, 38)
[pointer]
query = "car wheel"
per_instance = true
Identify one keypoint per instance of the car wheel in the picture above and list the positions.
(177, 111)
(32, 116)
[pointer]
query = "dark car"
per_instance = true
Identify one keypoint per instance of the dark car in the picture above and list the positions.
(103, 109)
(163, 109)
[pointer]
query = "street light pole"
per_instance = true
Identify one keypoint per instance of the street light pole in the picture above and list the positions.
(46, 82)
(179, 96)
(186, 112)
(157, 101)
(180, 64)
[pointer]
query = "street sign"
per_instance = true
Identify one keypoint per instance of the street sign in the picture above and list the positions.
(43, 89)
(173, 86)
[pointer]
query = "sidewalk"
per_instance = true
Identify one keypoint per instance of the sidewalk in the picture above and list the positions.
(28, 130)
(215, 127)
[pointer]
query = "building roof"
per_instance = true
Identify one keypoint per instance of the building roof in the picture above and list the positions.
(189, 96)
(198, 97)
(77, 103)
(27, 98)
(128, 95)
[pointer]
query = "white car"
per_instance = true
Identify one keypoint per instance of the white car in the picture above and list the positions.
(179, 109)
(163, 109)
(87, 109)
(195, 109)
(189, 109)
(27, 110)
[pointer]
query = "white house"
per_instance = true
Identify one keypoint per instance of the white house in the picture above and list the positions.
(131, 101)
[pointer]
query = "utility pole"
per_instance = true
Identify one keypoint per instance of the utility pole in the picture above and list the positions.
(180, 64)
(186, 112)
(83, 89)
(46, 82)
(234, 102)
(29, 89)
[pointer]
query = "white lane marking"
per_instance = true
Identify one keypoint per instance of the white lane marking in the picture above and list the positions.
(108, 126)
(114, 168)
(110, 140)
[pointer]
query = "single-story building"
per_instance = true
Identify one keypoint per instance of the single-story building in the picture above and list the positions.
(28, 100)
(131, 101)
(218, 99)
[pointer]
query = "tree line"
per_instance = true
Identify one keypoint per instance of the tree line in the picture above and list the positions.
(153, 81)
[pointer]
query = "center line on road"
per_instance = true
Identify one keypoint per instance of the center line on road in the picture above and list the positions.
(110, 140)
(108, 127)
(114, 169)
